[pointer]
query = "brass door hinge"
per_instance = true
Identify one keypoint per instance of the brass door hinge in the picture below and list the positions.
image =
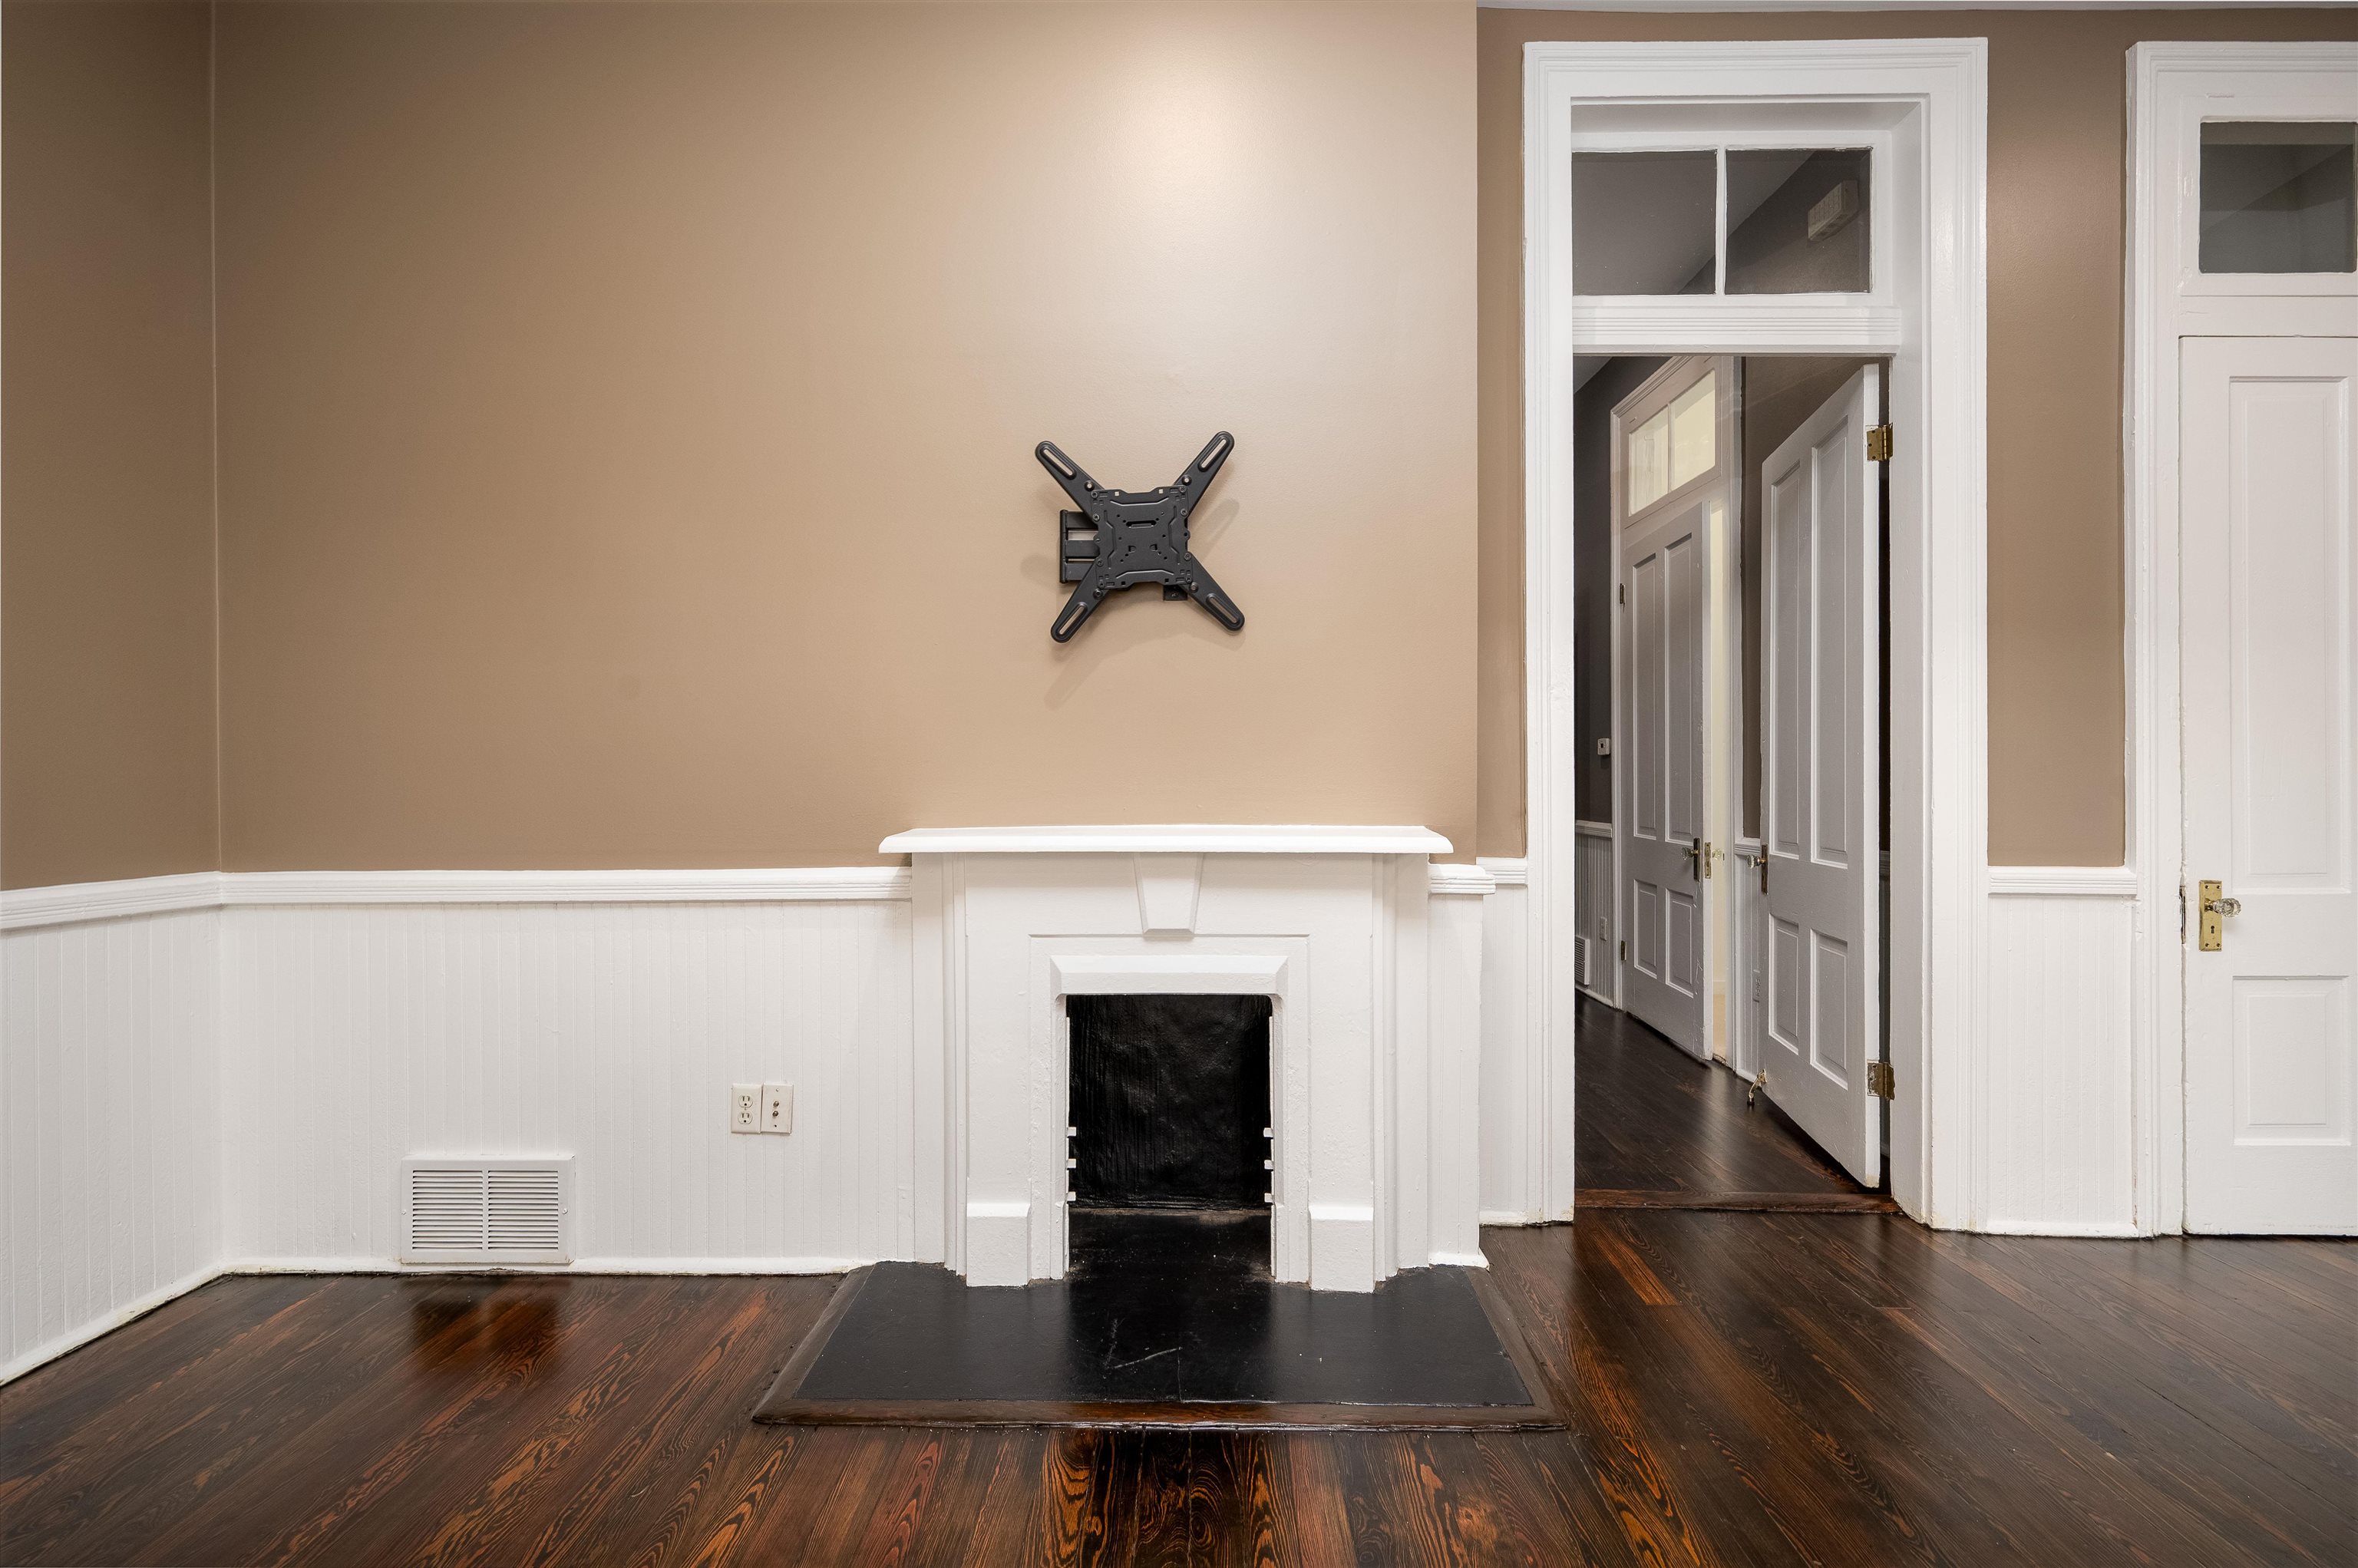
(1878, 444)
(1880, 1082)
(1625, 950)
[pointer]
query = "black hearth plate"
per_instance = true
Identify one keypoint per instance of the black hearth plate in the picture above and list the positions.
(1167, 1319)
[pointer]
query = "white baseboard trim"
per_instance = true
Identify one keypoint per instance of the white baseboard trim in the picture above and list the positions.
(789, 1265)
(1509, 1217)
(811, 1265)
(74, 902)
(1459, 1260)
(2086, 1230)
(43, 1354)
(2063, 881)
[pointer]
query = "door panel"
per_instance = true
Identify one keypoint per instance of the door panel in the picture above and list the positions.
(2269, 677)
(1822, 516)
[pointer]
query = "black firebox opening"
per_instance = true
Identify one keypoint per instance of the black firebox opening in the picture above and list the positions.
(1170, 1101)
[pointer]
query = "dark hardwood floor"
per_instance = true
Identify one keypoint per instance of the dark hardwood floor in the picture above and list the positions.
(1742, 1387)
(1656, 1129)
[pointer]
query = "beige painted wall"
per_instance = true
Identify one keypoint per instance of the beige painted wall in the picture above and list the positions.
(106, 521)
(627, 415)
(2057, 152)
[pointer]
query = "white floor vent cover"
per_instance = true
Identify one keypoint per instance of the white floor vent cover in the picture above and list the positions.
(487, 1211)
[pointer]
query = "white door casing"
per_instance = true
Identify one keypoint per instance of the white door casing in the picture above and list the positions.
(1666, 554)
(1931, 95)
(1819, 796)
(2173, 89)
(2270, 695)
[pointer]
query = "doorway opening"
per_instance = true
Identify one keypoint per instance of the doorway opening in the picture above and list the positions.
(1877, 199)
(1170, 1130)
(1731, 630)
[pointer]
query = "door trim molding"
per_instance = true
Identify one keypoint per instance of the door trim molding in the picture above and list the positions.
(2157, 319)
(1940, 557)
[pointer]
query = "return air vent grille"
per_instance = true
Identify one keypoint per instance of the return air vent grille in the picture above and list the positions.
(487, 1211)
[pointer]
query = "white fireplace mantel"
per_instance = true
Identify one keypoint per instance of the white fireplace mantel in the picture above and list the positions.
(1372, 959)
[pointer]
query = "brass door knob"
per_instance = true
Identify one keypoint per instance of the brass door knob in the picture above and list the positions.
(2213, 907)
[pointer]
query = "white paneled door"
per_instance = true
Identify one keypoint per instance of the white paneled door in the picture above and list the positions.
(1671, 495)
(2269, 684)
(1818, 802)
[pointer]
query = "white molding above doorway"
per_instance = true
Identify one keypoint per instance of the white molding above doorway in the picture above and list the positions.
(1933, 96)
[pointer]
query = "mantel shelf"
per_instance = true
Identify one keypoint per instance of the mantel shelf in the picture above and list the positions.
(1183, 838)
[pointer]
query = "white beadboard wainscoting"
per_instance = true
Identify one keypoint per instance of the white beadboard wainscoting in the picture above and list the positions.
(109, 1202)
(2052, 1125)
(360, 1035)
(213, 1074)
(206, 1073)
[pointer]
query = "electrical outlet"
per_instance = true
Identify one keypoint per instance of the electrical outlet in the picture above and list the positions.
(777, 1107)
(744, 1108)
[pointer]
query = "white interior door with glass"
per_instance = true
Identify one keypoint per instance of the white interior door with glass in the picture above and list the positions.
(1820, 806)
(2268, 674)
(1671, 500)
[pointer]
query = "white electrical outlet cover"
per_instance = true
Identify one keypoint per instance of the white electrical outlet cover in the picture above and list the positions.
(777, 1107)
(744, 1108)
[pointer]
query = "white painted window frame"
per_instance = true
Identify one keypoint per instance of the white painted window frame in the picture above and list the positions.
(1935, 94)
(2172, 88)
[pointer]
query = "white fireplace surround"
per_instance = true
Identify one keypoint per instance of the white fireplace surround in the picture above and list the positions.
(1374, 1047)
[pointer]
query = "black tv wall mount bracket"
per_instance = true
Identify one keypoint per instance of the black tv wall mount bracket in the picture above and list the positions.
(1121, 538)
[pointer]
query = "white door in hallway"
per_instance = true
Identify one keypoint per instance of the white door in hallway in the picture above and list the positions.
(2268, 672)
(1819, 802)
(1670, 494)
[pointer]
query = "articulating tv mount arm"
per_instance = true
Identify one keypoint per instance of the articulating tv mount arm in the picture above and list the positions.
(1121, 538)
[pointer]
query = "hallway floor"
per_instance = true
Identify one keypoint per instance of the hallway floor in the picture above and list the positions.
(1741, 1388)
(1656, 1129)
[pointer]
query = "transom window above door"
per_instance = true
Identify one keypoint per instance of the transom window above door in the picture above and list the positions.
(1674, 446)
(2277, 196)
(1722, 220)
